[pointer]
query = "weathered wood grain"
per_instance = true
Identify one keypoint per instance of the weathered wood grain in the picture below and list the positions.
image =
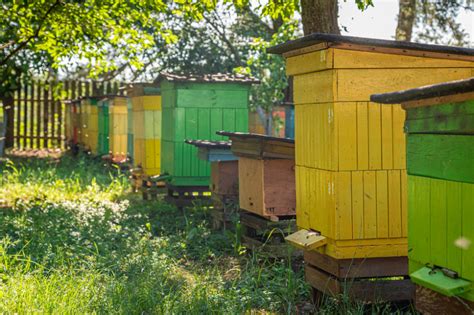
(449, 157)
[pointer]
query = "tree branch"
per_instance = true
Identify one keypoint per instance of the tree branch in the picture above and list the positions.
(222, 35)
(35, 34)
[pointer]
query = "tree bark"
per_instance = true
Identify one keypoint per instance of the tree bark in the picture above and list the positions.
(406, 20)
(320, 16)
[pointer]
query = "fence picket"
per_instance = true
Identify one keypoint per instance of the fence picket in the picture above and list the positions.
(38, 116)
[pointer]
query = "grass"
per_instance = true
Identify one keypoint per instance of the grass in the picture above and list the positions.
(76, 241)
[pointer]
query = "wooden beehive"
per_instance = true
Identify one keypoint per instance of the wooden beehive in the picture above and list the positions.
(439, 129)
(266, 173)
(90, 123)
(103, 123)
(195, 107)
(144, 111)
(224, 166)
(350, 153)
(72, 122)
(118, 127)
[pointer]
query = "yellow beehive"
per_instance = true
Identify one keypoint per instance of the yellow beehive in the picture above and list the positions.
(350, 153)
(145, 101)
(90, 123)
(118, 127)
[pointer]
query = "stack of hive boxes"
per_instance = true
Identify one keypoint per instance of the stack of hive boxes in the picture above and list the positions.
(144, 112)
(350, 154)
(90, 123)
(118, 127)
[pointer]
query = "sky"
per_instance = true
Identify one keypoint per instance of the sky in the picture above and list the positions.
(380, 21)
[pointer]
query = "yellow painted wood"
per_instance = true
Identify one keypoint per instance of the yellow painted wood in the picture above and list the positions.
(357, 205)
(399, 140)
(343, 206)
(359, 84)
(387, 137)
(147, 113)
(352, 85)
(350, 153)
(149, 154)
(346, 134)
(375, 137)
(394, 204)
(352, 59)
(385, 248)
(302, 211)
(362, 136)
(382, 205)
(315, 87)
(139, 147)
(345, 59)
(404, 196)
(306, 240)
(310, 62)
(118, 127)
(370, 204)
(151, 102)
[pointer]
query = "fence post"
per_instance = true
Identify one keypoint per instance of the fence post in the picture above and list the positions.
(10, 112)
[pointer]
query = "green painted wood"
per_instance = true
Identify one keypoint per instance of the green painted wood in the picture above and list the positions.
(468, 230)
(448, 157)
(419, 231)
(103, 122)
(437, 281)
(438, 222)
(197, 111)
(453, 223)
(441, 226)
(455, 118)
(130, 142)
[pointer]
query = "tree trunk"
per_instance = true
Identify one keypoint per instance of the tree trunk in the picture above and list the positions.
(319, 16)
(406, 20)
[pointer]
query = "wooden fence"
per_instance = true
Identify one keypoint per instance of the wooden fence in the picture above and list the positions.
(38, 112)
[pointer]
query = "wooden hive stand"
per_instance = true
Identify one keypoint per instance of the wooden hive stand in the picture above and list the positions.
(369, 280)
(266, 190)
(439, 128)
(224, 181)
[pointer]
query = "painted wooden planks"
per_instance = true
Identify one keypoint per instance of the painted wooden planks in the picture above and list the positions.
(225, 177)
(440, 214)
(449, 157)
(350, 136)
(452, 118)
(182, 121)
(267, 187)
(352, 205)
(351, 59)
(118, 127)
(146, 129)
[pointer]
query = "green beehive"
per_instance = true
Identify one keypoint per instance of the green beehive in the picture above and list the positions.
(103, 135)
(439, 126)
(195, 107)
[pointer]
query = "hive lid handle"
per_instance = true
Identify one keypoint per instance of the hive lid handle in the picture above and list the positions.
(306, 240)
(436, 280)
